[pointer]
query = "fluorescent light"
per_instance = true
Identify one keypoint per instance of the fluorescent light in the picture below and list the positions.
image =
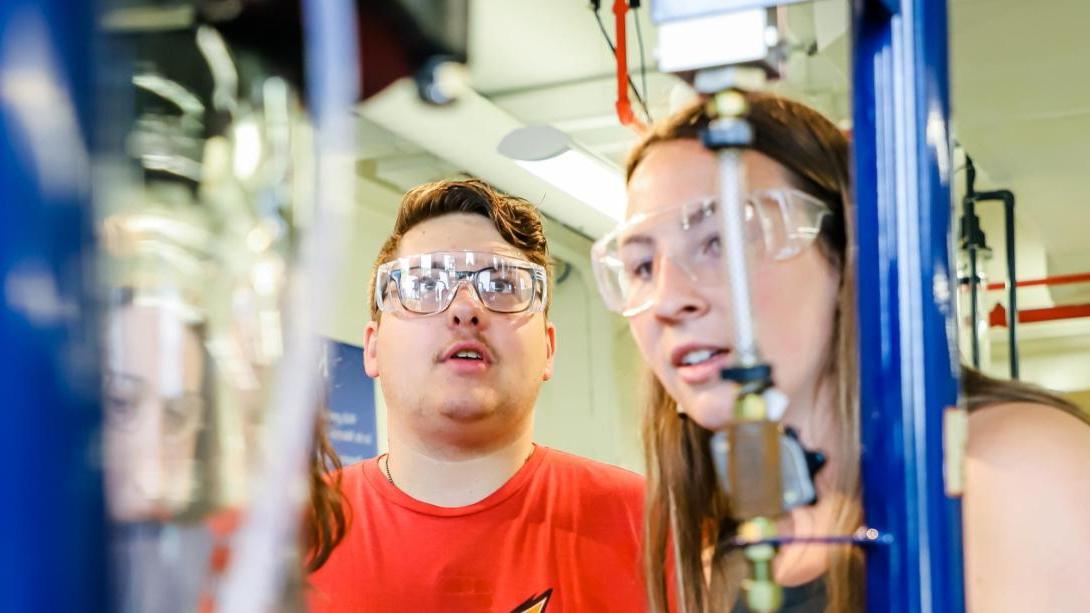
(549, 154)
(584, 178)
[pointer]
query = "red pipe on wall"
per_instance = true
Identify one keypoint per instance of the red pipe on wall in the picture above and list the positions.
(1056, 280)
(1068, 311)
(997, 318)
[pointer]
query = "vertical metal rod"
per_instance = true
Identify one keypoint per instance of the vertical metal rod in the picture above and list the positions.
(1007, 198)
(735, 258)
(255, 576)
(970, 228)
(1012, 286)
(974, 280)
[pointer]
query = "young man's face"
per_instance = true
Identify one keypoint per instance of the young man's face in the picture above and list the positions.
(448, 400)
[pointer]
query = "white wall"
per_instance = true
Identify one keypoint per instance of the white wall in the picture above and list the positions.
(1059, 366)
(1053, 354)
(589, 407)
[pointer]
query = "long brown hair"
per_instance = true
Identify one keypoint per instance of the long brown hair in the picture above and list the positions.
(680, 474)
(686, 513)
(981, 391)
(327, 518)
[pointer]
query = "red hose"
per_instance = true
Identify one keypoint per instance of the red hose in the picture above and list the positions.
(624, 105)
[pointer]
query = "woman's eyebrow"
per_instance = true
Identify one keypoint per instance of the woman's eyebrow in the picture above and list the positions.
(637, 239)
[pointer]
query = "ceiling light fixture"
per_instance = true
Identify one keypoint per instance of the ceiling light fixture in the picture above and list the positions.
(551, 155)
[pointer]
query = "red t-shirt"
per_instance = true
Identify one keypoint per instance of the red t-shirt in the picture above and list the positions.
(563, 534)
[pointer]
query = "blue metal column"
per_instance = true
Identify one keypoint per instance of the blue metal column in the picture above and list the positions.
(52, 525)
(908, 356)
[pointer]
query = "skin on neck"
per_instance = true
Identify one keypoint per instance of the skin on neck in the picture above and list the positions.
(456, 471)
(799, 564)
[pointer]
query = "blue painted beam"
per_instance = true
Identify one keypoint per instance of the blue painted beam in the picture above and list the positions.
(52, 520)
(908, 356)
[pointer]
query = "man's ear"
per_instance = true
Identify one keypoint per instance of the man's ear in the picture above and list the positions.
(370, 349)
(550, 349)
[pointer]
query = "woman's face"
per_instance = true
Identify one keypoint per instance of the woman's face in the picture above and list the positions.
(687, 335)
(154, 406)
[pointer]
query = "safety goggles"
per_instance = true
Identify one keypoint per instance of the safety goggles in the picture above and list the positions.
(426, 283)
(629, 261)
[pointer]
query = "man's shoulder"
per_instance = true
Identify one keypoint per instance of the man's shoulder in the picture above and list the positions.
(585, 472)
(613, 496)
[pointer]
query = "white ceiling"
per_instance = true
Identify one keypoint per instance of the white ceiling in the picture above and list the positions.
(523, 44)
(549, 63)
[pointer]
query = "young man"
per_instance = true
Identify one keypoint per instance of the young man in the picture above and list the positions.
(465, 512)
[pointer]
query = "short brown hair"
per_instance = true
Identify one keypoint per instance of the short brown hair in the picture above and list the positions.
(516, 219)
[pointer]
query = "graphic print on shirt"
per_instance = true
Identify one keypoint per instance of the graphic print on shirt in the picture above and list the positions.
(535, 604)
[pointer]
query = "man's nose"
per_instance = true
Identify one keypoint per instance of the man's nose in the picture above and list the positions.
(466, 308)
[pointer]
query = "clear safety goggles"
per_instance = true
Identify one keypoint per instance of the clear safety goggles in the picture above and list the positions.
(629, 261)
(426, 283)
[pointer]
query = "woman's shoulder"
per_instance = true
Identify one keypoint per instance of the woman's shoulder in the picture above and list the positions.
(1020, 452)
(1025, 528)
(1028, 432)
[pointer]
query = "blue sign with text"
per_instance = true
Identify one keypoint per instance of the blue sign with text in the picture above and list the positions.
(351, 405)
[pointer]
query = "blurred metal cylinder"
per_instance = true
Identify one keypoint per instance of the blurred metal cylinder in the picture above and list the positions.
(196, 192)
(210, 177)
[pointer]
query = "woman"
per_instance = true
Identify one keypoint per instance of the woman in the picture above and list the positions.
(1027, 451)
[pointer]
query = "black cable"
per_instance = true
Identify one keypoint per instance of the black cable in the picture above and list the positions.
(635, 92)
(643, 64)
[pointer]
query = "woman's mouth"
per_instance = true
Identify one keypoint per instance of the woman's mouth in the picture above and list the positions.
(698, 365)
